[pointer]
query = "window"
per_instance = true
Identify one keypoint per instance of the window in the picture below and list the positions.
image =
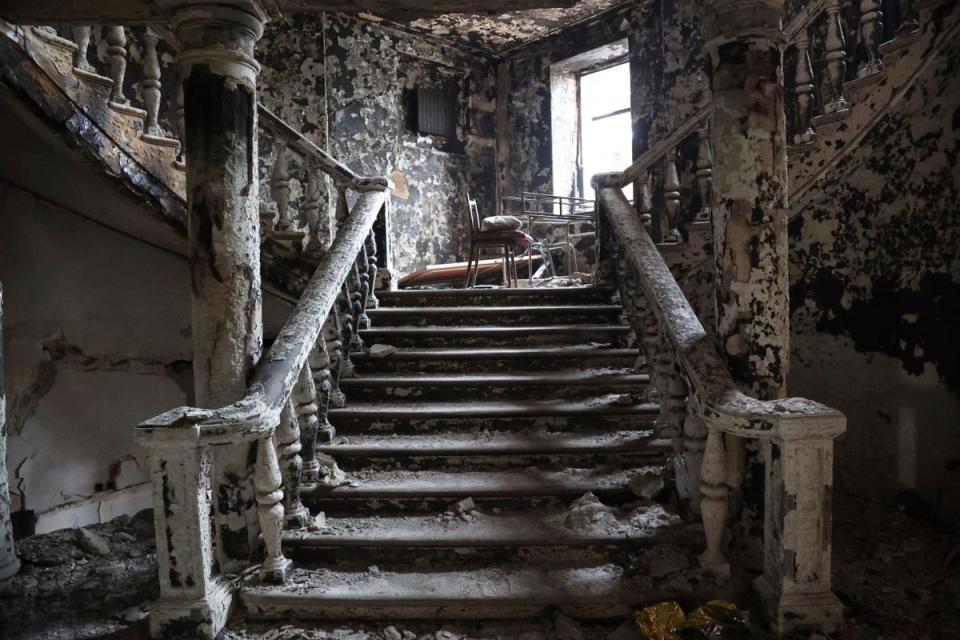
(606, 131)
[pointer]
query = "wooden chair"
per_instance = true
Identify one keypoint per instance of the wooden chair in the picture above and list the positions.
(507, 240)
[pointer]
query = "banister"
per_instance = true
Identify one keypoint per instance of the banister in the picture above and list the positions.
(340, 172)
(649, 157)
(803, 18)
(258, 413)
(721, 402)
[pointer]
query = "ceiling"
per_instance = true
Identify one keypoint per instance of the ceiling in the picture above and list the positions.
(498, 33)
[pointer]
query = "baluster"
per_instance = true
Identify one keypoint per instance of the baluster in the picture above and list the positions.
(280, 183)
(305, 399)
(332, 335)
(836, 59)
(671, 194)
(871, 28)
(713, 504)
(354, 289)
(673, 392)
(363, 272)
(343, 209)
(117, 50)
(322, 382)
(150, 85)
(803, 88)
(319, 227)
(81, 35)
(704, 172)
(645, 207)
(267, 483)
(909, 18)
(694, 443)
(182, 128)
(291, 463)
(372, 301)
(347, 328)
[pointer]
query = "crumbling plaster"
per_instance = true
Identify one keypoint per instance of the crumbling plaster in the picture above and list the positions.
(875, 287)
(347, 84)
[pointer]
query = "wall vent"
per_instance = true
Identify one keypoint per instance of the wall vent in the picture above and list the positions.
(436, 112)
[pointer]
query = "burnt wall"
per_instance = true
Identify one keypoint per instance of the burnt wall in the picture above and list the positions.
(875, 295)
(349, 85)
(667, 86)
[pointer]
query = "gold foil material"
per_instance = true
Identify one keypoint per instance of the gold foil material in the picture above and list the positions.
(661, 621)
(666, 621)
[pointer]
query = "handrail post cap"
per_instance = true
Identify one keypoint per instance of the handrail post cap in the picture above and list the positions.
(616, 180)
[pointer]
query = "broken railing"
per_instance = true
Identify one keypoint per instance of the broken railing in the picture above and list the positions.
(283, 412)
(702, 407)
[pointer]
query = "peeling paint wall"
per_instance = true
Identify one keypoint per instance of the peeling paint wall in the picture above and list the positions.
(97, 340)
(348, 84)
(875, 295)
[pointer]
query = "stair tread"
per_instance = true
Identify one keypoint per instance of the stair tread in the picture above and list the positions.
(488, 329)
(494, 309)
(584, 377)
(519, 587)
(590, 350)
(601, 405)
(491, 442)
(388, 484)
(592, 524)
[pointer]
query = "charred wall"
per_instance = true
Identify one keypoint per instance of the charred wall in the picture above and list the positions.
(875, 294)
(349, 84)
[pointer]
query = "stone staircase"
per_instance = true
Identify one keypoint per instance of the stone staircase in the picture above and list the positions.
(489, 465)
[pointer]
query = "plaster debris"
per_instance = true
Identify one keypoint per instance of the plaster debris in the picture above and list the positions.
(382, 350)
(91, 542)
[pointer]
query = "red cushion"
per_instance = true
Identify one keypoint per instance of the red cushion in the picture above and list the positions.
(507, 236)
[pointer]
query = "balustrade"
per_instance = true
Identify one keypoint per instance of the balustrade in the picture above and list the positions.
(671, 195)
(150, 85)
(81, 36)
(117, 51)
(836, 60)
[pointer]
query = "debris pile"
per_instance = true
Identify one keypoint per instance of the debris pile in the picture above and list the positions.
(82, 583)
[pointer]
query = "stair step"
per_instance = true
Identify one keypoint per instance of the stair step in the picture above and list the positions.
(488, 360)
(516, 415)
(497, 314)
(497, 450)
(566, 384)
(403, 485)
(495, 443)
(651, 524)
(570, 334)
(601, 591)
(490, 297)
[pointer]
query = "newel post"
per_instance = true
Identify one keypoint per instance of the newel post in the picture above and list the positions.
(796, 583)
(9, 564)
(194, 598)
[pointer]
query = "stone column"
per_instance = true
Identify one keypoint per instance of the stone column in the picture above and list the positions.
(748, 135)
(750, 185)
(9, 564)
(219, 77)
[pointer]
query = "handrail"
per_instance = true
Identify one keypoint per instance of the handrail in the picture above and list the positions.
(720, 400)
(649, 157)
(254, 416)
(340, 172)
(803, 18)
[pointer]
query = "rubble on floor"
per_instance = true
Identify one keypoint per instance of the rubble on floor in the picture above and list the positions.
(893, 570)
(79, 584)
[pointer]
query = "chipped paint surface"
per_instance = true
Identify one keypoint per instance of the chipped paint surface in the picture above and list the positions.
(875, 287)
(348, 83)
(497, 33)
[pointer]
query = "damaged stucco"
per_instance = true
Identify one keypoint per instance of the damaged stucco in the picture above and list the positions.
(875, 293)
(95, 343)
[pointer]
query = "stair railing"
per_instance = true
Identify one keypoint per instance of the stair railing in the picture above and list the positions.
(818, 32)
(708, 417)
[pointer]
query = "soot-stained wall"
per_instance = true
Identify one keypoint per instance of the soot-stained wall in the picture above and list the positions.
(349, 84)
(875, 295)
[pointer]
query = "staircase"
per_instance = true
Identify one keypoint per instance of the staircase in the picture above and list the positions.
(489, 462)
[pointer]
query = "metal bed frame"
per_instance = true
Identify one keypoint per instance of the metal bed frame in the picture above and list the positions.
(550, 209)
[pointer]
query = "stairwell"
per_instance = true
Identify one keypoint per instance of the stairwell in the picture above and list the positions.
(489, 463)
